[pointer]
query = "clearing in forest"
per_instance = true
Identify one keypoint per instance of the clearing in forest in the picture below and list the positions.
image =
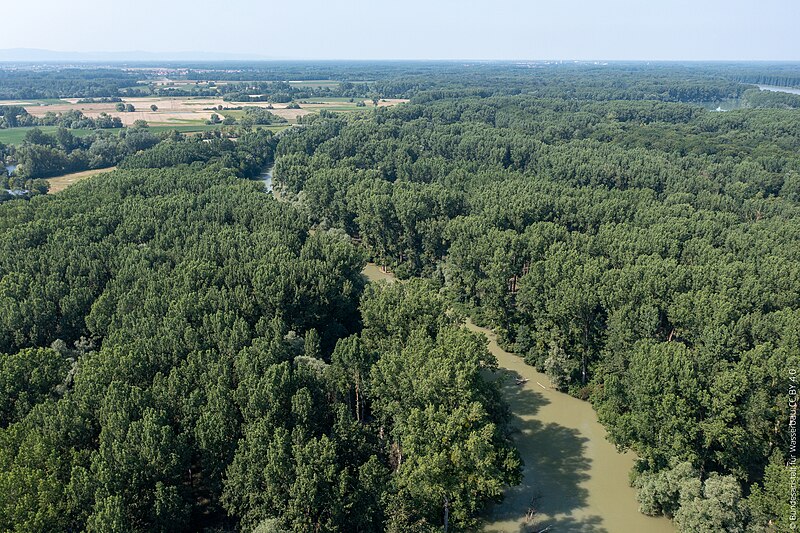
(60, 183)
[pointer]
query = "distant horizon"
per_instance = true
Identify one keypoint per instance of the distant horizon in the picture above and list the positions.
(144, 56)
(446, 30)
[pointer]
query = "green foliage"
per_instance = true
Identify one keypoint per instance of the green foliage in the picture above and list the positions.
(259, 115)
(144, 434)
(13, 116)
(770, 99)
(639, 250)
(769, 502)
(719, 507)
(660, 493)
(43, 155)
(221, 372)
(232, 371)
(28, 378)
(443, 419)
(247, 155)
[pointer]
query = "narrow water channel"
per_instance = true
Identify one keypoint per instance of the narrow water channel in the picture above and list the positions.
(266, 177)
(576, 478)
(573, 476)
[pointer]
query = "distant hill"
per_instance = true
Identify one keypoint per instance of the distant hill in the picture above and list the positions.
(40, 55)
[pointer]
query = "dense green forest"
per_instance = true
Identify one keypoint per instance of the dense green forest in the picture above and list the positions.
(19, 83)
(42, 155)
(182, 351)
(643, 254)
(771, 99)
(283, 81)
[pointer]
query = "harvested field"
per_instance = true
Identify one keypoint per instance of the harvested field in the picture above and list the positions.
(388, 102)
(193, 110)
(170, 110)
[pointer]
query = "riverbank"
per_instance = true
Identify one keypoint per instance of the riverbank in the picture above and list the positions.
(573, 476)
(778, 89)
(576, 477)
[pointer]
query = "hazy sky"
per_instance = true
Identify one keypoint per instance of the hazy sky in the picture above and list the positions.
(414, 29)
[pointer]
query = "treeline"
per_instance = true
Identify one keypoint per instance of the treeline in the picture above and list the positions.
(770, 99)
(104, 100)
(183, 354)
(643, 254)
(248, 153)
(283, 92)
(13, 116)
(780, 74)
(269, 81)
(66, 82)
(260, 116)
(43, 155)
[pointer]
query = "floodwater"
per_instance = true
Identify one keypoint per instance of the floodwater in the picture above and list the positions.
(775, 88)
(736, 103)
(266, 177)
(573, 476)
(374, 273)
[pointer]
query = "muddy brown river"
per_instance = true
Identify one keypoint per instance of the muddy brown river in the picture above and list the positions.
(573, 476)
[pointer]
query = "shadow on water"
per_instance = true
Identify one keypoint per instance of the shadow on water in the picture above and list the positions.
(555, 467)
(589, 524)
(523, 402)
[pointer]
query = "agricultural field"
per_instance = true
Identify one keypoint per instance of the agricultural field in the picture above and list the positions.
(315, 84)
(16, 135)
(186, 111)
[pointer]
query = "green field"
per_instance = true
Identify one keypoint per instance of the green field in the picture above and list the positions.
(17, 135)
(315, 84)
(351, 107)
(333, 99)
(49, 101)
(233, 113)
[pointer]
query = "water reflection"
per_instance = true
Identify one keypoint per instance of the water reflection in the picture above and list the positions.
(556, 467)
(266, 177)
(574, 478)
(776, 89)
